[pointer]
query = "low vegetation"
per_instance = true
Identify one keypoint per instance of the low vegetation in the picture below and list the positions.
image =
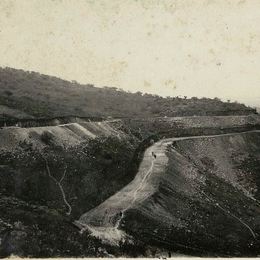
(80, 177)
(34, 94)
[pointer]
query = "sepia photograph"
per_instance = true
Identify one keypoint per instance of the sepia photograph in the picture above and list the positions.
(129, 128)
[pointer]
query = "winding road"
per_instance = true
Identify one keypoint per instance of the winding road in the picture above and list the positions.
(106, 220)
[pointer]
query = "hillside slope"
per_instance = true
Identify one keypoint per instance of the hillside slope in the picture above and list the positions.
(33, 94)
(199, 196)
(95, 153)
(56, 173)
(65, 135)
(50, 175)
(87, 157)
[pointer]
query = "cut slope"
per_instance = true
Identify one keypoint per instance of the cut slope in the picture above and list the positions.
(189, 201)
(70, 167)
(62, 135)
(104, 221)
(177, 126)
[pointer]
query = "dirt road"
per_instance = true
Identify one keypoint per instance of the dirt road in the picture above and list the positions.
(106, 220)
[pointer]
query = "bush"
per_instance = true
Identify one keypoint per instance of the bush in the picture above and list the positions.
(47, 138)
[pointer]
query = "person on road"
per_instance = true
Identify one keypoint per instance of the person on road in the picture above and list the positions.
(154, 155)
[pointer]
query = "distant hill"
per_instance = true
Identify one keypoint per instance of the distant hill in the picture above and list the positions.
(30, 94)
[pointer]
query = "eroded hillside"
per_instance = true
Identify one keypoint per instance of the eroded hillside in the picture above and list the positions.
(84, 176)
(198, 196)
(92, 159)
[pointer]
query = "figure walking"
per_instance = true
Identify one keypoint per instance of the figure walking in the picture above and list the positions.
(154, 155)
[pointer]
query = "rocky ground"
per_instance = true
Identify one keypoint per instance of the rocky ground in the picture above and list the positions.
(203, 199)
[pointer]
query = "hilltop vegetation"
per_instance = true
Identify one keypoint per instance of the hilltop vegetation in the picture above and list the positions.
(30, 94)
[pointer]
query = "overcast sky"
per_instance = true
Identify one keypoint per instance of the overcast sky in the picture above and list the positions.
(194, 48)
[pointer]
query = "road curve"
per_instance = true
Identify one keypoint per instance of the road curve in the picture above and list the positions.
(105, 220)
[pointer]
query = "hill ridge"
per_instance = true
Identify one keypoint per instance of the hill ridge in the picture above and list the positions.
(38, 95)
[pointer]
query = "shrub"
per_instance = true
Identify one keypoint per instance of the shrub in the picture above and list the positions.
(46, 138)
